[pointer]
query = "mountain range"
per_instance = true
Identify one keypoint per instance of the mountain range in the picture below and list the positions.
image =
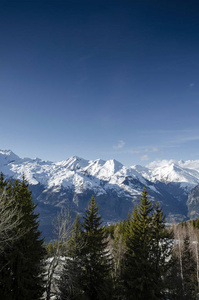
(72, 182)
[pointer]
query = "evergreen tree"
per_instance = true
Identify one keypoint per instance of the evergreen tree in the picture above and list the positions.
(137, 268)
(75, 242)
(3, 182)
(97, 283)
(49, 249)
(8, 218)
(72, 273)
(189, 272)
(24, 261)
(87, 272)
(161, 248)
(196, 224)
(184, 273)
(146, 257)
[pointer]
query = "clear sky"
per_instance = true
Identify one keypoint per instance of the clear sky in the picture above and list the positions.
(100, 79)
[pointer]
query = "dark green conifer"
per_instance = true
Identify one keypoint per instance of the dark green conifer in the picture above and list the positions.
(70, 283)
(138, 280)
(196, 224)
(189, 272)
(3, 182)
(86, 273)
(5, 276)
(49, 249)
(161, 251)
(147, 252)
(184, 276)
(25, 258)
(98, 264)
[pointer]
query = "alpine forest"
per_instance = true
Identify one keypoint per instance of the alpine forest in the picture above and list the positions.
(139, 258)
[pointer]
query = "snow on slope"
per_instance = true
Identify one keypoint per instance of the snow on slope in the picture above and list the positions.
(186, 173)
(7, 156)
(99, 175)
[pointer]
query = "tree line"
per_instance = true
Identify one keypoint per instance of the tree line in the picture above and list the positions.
(139, 258)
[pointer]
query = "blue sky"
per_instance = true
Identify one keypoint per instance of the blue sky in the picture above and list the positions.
(100, 79)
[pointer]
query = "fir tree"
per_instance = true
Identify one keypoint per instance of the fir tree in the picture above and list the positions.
(189, 272)
(25, 259)
(161, 251)
(196, 223)
(75, 242)
(49, 249)
(72, 273)
(3, 182)
(137, 268)
(146, 258)
(97, 264)
(184, 272)
(7, 233)
(86, 273)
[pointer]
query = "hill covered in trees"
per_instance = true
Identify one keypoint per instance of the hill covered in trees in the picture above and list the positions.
(138, 258)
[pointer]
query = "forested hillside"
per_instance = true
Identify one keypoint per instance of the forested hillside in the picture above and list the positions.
(139, 258)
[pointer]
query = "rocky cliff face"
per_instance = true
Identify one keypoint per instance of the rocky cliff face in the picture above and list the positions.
(193, 203)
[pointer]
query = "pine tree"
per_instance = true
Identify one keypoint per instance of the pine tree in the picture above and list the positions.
(25, 259)
(146, 255)
(49, 249)
(72, 273)
(161, 249)
(189, 271)
(97, 264)
(137, 268)
(196, 224)
(8, 218)
(75, 242)
(184, 273)
(3, 182)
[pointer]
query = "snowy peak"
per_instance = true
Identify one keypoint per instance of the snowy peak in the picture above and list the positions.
(142, 171)
(115, 186)
(98, 174)
(114, 165)
(74, 163)
(108, 169)
(174, 171)
(7, 156)
(94, 167)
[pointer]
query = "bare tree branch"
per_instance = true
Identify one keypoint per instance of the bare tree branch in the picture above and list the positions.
(63, 230)
(10, 220)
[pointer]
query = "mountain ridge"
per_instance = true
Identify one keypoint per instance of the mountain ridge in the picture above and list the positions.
(165, 170)
(116, 187)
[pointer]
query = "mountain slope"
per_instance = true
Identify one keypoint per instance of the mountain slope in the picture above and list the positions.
(116, 187)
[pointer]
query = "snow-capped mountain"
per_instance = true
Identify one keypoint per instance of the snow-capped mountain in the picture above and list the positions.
(75, 171)
(115, 186)
(187, 173)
